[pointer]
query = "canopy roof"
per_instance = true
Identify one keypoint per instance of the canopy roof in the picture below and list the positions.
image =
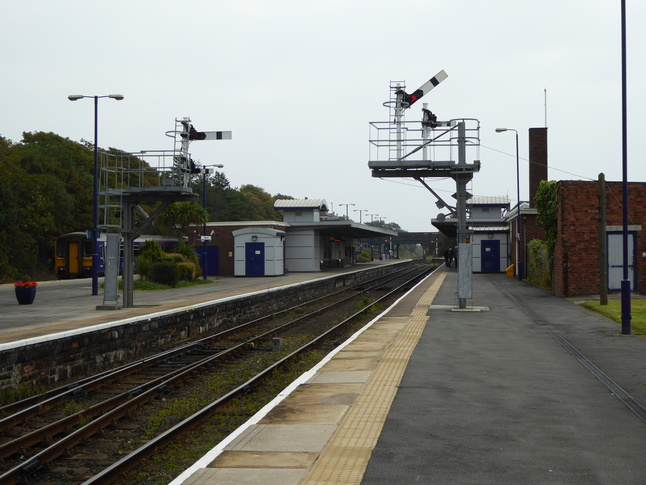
(296, 204)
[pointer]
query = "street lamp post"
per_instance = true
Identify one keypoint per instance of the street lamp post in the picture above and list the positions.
(360, 211)
(347, 206)
(626, 310)
(95, 215)
(518, 262)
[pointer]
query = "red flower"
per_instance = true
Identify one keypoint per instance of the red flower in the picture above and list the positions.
(26, 284)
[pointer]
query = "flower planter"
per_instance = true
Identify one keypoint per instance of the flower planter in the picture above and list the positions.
(25, 295)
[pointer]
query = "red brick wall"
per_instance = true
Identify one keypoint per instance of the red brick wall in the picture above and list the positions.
(537, 160)
(576, 253)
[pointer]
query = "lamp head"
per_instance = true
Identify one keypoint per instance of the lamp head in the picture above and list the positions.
(500, 130)
(74, 97)
(118, 97)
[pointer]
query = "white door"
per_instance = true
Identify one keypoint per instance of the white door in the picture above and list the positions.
(616, 260)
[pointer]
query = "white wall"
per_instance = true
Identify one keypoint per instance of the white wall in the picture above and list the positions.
(274, 263)
(303, 251)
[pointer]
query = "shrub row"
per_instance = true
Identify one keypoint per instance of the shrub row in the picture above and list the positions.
(167, 268)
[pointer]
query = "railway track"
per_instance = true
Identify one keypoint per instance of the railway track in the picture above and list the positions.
(80, 434)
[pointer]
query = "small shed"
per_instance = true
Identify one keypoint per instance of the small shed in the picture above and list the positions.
(259, 251)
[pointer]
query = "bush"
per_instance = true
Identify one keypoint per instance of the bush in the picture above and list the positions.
(188, 252)
(144, 265)
(540, 266)
(173, 258)
(187, 271)
(152, 250)
(165, 273)
(365, 256)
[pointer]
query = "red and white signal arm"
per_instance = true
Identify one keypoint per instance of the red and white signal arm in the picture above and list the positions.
(424, 88)
(217, 135)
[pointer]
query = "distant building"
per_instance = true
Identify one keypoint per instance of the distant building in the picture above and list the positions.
(308, 239)
(490, 233)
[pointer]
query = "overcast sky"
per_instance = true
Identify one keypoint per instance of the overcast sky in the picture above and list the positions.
(299, 81)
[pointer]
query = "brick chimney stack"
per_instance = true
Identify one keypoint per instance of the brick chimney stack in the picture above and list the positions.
(537, 160)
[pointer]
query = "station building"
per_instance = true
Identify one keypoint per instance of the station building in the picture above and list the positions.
(308, 239)
(488, 223)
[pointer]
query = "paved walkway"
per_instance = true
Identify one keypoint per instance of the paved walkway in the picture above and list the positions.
(493, 397)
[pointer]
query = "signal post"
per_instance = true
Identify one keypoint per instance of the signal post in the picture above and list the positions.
(400, 149)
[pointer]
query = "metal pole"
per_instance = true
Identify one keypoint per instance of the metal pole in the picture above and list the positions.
(518, 268)
(204, 172)
(625, 283)
(603, 250)
(462, 178)
(95, 216)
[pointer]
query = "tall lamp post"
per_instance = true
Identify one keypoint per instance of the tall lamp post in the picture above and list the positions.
(205, 171)
(626, 310)
(347, 206)
(518, 262)
(360, 211)
(95, 216)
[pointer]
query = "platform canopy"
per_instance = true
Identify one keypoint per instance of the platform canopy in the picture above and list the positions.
(349, 229)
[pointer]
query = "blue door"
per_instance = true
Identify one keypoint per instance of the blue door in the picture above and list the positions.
(212, 259)
(490, 256)
(255, 259)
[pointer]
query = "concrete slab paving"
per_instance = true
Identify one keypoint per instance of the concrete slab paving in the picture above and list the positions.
(239, 476)
(284, 437)
(267, 459)
(340, 377)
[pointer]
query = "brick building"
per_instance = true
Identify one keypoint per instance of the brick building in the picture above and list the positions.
(577, 267)
(528, 228)
(220, 249)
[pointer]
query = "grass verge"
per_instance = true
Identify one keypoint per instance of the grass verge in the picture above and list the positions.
(613, 311)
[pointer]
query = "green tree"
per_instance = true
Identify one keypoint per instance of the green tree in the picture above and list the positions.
(546, 200)
(223, 203)
(261, 201)
(178, 216)
(45, 190)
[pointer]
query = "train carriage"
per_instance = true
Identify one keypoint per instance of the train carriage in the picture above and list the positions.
(73, 253)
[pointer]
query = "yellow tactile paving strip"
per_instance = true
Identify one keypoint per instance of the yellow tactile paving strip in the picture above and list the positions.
(346, 455)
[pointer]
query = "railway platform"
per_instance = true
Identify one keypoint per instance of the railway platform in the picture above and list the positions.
(521, 387)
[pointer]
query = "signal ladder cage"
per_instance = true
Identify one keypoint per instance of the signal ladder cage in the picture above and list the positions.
(150, 175)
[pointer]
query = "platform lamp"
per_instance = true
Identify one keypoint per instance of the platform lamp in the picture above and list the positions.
(347, 207)
(95, 216)
(518, 269)
(205, 171)
(360, 211)
(626, 306)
